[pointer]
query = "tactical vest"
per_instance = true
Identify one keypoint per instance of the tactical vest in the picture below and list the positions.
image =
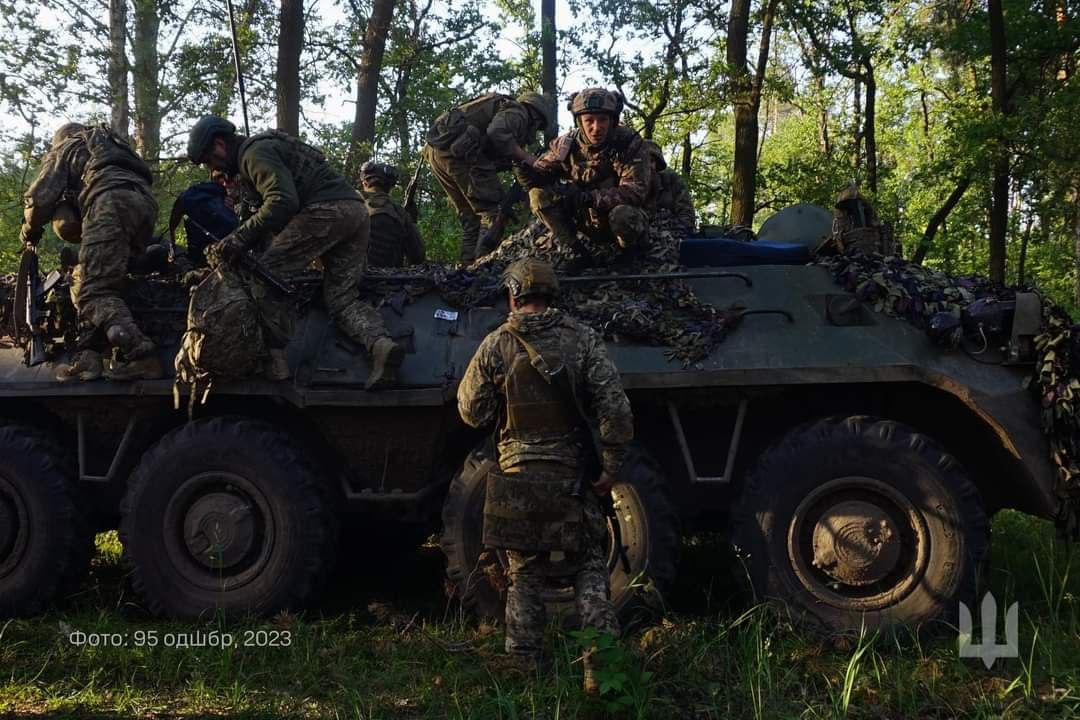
(596, 168)
(384, 249)
(476, 114)
(308, 166)
(112, 163)
(527, 509)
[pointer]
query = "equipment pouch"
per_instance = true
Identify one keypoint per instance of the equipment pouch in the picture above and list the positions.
(533, 512)
(467, 145)
(446, 129)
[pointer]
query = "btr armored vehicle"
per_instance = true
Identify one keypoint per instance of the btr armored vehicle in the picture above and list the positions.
(853, 464)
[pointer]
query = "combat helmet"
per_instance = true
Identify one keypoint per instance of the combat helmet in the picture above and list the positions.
(542, 104)
(67, 130)
(530, 276)
(203, 133)
(378, 173)
(596, 100)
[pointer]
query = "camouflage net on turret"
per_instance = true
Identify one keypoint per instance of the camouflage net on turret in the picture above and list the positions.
(912, 292)
(665, 312)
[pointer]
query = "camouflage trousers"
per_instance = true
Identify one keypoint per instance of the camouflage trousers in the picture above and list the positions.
(586, 570)
(474, 190)
(336, 233)
(624, 227)
(115, 228)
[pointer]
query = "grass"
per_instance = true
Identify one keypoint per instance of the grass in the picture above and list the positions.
(389, 646)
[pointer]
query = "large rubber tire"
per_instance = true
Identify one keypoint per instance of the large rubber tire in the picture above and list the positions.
(859, 520)
(227, 514)
(45, 542)
(650, 534)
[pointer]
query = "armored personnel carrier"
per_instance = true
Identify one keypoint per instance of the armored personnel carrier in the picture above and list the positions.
(853, 464)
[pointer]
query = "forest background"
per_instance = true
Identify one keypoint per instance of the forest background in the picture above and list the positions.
(956, 118)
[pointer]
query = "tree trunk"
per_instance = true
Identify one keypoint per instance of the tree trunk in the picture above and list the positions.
(1076, 240)
(147, 87)
(548, 47)
(367, 83)
(869, 126)
(746, 99)
(687, 156)
(290, 43)
(939, 217)
(999, 188)
(1021, 263)
(117, 68)
(856, 158)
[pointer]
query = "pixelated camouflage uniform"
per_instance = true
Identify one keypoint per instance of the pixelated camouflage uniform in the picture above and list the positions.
(466, 147)
(395, 238)
(552, 450)
(674, 197)
(97, 172)
(618, 173)
(306, 211)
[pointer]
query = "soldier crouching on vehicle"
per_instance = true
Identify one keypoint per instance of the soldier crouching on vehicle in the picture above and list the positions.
(394, 236)
(468, 144)
(611, 188)
(98, 190)
(307, 211)
(672, 193)
(549, 378)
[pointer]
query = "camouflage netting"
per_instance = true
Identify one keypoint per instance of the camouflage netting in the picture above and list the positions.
(905, 290)
(666, 313)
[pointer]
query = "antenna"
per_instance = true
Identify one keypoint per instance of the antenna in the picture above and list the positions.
(239, 69)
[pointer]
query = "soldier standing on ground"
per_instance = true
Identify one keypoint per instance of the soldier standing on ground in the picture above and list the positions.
(672, 194)
(395, 240)
(94, 183)
(468, 144)
(543, 452)
(307, 210)
(611, 190)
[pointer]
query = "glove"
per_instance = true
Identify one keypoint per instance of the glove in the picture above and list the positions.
(574, 199)
(225, 250)
(27, 237)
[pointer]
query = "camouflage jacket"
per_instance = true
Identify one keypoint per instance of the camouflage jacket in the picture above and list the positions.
(499, 123)
(674, 197)
(618, 173)
(394, 236)
(284, 175)
(482, 393)
(77, 171)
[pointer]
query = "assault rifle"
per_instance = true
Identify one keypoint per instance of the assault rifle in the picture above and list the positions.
(29, 319)
(246, 260)
(489, 239)
(410, 192)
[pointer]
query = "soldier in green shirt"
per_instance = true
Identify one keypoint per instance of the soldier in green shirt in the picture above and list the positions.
(468, 144)
(394, 237)
(306, 210)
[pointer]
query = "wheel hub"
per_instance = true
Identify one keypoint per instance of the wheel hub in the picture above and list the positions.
(220, 530)
(856, 543)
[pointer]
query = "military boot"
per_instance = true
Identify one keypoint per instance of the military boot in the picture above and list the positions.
(135, 355)
(386, 358)
(86, 365)
(277, 368)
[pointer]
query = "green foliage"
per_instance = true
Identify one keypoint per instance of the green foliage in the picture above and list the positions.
(623, 682)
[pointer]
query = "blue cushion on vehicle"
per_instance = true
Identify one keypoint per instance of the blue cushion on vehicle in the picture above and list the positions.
(718, 252)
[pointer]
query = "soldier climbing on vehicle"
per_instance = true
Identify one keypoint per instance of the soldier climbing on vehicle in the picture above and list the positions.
(857, 229)
(547, 377)
(307, 211)
(469, 144)
(610, 191)
(672, 195)
(97, 191)
(395, 239)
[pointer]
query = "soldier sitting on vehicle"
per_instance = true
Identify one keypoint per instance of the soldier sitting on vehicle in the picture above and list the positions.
(207, 213)
(469, 143)
(395, 239)
(535, 508)
(98, 190)
(673, 195)
(307, 211)
(856, 227)
(611, 190)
